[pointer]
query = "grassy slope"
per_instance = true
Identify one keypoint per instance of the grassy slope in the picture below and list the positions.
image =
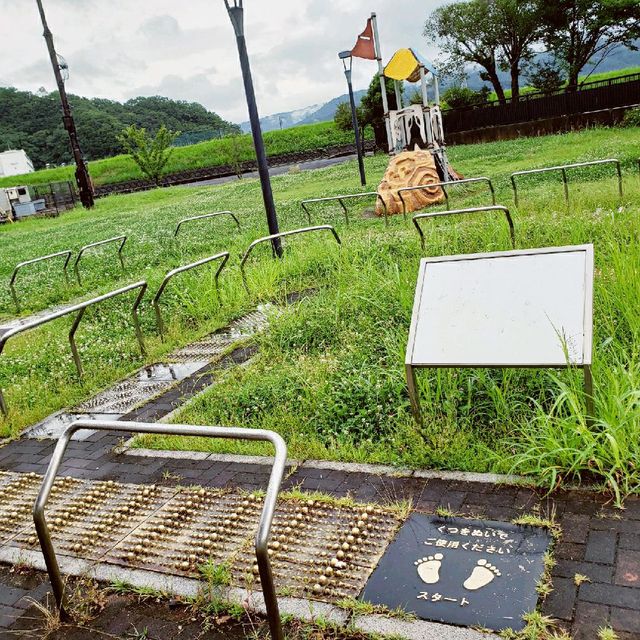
(329, 376)
(212, 153)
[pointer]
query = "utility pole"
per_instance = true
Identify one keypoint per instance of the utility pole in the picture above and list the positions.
(344, 56)
(236, 14)
(83, 180)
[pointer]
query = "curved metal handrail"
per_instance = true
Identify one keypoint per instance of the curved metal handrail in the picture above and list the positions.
(206, 215)
(20, 265)
(282, 234)
(156, 299)
(348, 196)
(443, 185)
(121, 239)
(266, 518)
(436, 214)
(80, 308)
(563, 169)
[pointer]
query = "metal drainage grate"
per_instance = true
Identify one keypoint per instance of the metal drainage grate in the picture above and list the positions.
(123, 397)
(217, 343)
(56, 424)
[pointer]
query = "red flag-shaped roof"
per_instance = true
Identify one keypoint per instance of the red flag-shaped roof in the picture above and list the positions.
(365, 47)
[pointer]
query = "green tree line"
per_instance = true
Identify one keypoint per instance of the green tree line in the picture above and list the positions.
(33, 122)
(508, 35)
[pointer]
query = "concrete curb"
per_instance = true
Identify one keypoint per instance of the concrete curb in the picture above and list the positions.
(418, 629)
(327, 465)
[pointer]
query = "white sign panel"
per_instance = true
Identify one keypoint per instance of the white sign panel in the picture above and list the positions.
(511, 309)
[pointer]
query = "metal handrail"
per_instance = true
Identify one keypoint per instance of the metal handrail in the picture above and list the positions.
(122, 240)
(563, 169)
(444, 184)
(266, 518)
(348, 196)
(322, 227)
(80, 308)
(34, 261)
(435, 214)
(206, 215)
(156, 299)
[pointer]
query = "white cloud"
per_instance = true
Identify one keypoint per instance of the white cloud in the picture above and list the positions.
(120, 49)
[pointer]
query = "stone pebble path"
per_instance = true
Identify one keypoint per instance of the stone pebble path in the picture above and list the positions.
(598, 541)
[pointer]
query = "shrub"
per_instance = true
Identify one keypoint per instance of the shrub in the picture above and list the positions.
(457, 97)
(631, 118)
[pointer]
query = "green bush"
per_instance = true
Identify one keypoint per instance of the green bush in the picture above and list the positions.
(457, 97)
(631, 118)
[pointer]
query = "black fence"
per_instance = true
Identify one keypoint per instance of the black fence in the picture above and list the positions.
(58, 196)
(599, 95)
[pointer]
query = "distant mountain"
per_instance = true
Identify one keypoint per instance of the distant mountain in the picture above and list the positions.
(282, 120)
(307, 115)
(328, 109)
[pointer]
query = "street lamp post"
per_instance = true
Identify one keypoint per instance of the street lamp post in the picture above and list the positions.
(83, 180)
(346, 56)
(236, 12)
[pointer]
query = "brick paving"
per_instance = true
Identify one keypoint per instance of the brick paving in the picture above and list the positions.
(598, 541)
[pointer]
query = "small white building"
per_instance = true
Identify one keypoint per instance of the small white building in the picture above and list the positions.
(15, 162)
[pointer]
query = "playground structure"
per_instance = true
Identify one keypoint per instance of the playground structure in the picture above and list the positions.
(415, 137)
(416, 124)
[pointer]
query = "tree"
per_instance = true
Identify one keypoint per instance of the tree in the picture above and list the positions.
(518, 26)
(342, 117)
(372, 111)
(31, 119)
(151, 154)
(468, 33)
(546, 77)
(583, 31)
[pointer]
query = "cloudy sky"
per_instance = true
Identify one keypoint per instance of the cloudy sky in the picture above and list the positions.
(185, 50)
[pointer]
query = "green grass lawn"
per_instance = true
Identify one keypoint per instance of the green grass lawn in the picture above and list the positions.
(329, 375)
(212, 153)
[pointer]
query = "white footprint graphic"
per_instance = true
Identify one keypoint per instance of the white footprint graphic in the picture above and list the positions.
(481, 575)
(429, 568)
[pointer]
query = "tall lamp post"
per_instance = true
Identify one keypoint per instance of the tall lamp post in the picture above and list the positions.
(83, 180)
(236, 13)
(347, 62)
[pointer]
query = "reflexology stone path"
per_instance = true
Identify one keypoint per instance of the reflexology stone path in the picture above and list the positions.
(175, 530)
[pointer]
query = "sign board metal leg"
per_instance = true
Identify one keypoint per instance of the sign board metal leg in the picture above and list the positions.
(588, 393)
(412, 386)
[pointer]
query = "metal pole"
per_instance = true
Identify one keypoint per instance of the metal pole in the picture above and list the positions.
(354, 122)
(85, 188)
(426, 111)
(237, 20)
(383, 83)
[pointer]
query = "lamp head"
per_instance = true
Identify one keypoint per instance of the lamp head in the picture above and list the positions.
(235, 10)
(347, 62)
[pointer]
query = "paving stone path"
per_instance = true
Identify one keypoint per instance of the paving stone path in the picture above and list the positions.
(598, 541)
